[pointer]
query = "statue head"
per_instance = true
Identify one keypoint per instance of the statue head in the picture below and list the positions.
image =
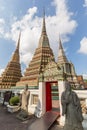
(67, 86)
(26, 87)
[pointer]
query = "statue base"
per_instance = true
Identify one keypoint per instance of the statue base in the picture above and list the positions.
(23, 115)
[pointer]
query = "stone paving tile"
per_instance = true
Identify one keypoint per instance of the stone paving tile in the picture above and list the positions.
(9, 121)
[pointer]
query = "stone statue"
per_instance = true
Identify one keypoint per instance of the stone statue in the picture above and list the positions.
(71, 108)
(23, 114)
(25, 98)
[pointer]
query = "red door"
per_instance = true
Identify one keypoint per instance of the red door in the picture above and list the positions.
(48, 97)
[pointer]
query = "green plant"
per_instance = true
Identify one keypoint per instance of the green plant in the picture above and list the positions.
(14, 100)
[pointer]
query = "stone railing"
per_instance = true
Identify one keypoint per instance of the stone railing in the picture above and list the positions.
(82, 94)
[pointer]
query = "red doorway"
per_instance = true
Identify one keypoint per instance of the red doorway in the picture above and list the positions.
(49, 95)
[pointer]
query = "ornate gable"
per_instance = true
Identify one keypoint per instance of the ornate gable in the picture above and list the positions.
(52, 72)
(51, 69)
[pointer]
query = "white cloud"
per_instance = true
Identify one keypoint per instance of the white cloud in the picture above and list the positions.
(30, 26)
(84, 76)
(83, 46)
(1, 71)
(26, 57)
(85, 3)
(2, 23)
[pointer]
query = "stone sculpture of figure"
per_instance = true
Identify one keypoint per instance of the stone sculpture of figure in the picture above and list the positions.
(23, 114)
(71, 108)
(25, 98)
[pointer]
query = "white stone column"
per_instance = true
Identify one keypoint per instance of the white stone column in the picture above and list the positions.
(61, 88)
(41, 107)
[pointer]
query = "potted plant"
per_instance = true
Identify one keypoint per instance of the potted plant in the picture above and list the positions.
(14, 104)
(14, 101)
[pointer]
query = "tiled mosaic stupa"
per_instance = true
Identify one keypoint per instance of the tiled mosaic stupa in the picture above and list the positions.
(12, 72)
(67, 66)
(43, 54)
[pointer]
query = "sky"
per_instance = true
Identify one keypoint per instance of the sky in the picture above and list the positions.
(67, 18)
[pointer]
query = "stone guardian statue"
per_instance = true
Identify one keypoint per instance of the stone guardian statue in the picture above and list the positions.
(23, 114)
(25, 99)
(71, 108)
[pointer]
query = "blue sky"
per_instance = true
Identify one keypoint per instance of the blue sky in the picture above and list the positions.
(65, 17)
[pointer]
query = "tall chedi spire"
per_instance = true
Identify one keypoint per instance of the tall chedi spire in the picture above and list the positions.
(12, 73)
(61, 54)
(16, 56)
(44, 41)
(41, 57)
(67, 66)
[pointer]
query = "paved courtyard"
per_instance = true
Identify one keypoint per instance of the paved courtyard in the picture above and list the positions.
(9, 121)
